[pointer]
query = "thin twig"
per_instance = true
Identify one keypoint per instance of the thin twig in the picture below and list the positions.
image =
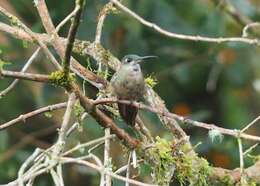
(250, 149)
(93, 166)
(101, 18)
(76, 125)
(250, 124)
(26, 66)
(59, 43)
(241, 157)
(25, 165)
(32, 35)
(124, 168)
(232, 11)
(250, 25)
(182, 36)
(26, 76)
(89, 143)
(128, 168)
(60, 174)
(23, 117)
(107, 159)
(59, 146)
(66, 19)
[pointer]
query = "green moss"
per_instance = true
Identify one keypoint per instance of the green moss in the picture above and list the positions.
(227, 181)
(78, 111)
(178, 163)
(224, 181)
(165, 161)
(58, 78)
(191, 169)
(245, 181)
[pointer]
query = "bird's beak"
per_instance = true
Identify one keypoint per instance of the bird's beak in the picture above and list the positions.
(144, 58)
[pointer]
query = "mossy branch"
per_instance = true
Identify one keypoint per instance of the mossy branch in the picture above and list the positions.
(71, 36)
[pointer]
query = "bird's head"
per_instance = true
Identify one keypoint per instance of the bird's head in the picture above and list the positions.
(134, 59)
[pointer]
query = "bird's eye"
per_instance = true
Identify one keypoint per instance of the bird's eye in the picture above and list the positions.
(128, 60)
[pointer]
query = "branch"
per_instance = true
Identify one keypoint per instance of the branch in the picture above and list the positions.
(33, 36)
(59, 43)
(26, 66)
(99, 116)
(234, 133)
(182, 36)
(93, 166)
(233, 12)
(250, 124)
(59, 146)
(89, 143)
(101, 18)
(23, 117)
(26, 76)
(104, 120)
(71, 36)
(107, 159)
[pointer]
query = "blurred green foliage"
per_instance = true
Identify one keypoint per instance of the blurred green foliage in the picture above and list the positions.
(215, 83)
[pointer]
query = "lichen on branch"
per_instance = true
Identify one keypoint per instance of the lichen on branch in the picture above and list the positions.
(58, 78)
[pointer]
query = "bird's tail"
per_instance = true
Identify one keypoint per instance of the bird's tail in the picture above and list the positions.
(128, 113)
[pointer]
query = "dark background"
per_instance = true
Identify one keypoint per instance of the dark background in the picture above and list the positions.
(210, 82)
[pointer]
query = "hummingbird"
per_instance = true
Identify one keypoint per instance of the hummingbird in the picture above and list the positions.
(128, 84)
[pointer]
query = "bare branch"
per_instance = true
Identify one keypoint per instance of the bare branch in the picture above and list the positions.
(32, 35)
(250, 124)
(89, 143)
(101, 18)
(228, 8)
(182, 36)
(91, 165)
(230, 132)
(250, 149)
(59, 146)
(26, 76)
(64, 21)
(59, 43)
(107, 159)
(26, 66)
(31, 114)
(241, 157)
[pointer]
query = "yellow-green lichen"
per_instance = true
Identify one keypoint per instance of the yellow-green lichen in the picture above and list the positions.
(48, 114)
(161, 158)
(169, 163)
(151, 81)
(78, 111)
(223, 181)
(14, 21)
(3, 63)
(191, 169)
(58, 78)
